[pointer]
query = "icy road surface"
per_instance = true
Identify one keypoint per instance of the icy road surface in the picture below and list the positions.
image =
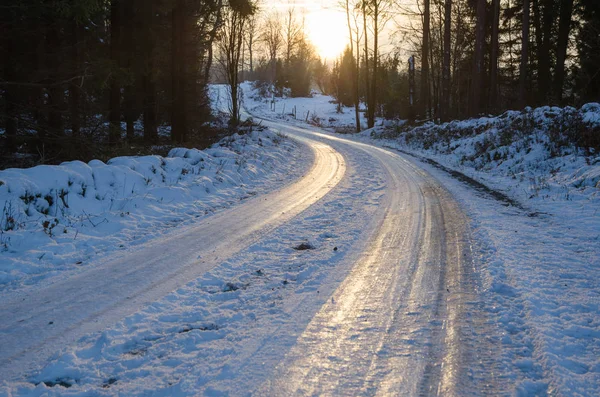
(405, 320)
(92, 300)
(397, 314)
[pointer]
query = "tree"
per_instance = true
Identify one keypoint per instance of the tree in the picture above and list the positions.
(292, 32)
(445, 103)
(230, 44)
(355, 67)
(425, 61)
(114, 118)
(524, 69)
(543, 22)
(564, 28)
(343, 79)
(588, 46)
(494, 53)
(477, 80)
(378, 12)
(322, 76)
(251, 33)
(368, 92)
(273, 41)
(300, 68)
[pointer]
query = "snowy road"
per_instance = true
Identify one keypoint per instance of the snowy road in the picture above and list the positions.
(39, 322)
(399, 324)
(404, 319)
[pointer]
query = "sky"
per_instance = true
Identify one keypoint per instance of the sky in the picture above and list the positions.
(325, 23)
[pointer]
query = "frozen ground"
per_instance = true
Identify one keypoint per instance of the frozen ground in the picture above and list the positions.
(538, 240)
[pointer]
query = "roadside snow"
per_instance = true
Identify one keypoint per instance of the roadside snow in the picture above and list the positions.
(57, 219)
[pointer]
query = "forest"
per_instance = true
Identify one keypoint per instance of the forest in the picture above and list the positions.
(85, 79)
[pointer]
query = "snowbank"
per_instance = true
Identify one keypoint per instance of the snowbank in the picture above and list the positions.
(60, 217)
(547, 153)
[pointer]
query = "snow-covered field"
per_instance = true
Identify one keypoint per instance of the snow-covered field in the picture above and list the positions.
(537, 222)
(58, 219)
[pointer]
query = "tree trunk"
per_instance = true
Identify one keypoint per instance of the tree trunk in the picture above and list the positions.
(373, 104)
(211, 38)
(425, 62)
(477, 80)
(564, 27)
(129, 51)
(251, 55)
(357, 79)
(38, 93)
(55, 90)
(150, 123)
(411, 88)
(544, 57)
(524, 55)
(10, 93)
(542, 20)
(74, 89)
(114, 113)
(148, 81)
(446, 61)
(367, 71)
(177, 74)
(493, 104)
(354, 69)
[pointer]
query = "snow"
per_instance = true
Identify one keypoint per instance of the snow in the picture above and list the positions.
(539, 260)
(320, 110)
(201, 338)
(225, 332)
(58, 219)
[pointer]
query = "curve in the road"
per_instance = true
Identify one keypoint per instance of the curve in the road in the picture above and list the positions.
(37, 323)
(398, 323)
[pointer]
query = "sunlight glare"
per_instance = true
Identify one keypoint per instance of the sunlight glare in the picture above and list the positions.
(328, 31)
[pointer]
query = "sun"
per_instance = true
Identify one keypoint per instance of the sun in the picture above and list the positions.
(328, 31)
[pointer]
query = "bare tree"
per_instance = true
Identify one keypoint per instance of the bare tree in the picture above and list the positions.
(353, 32)
(293, 33)
(251, 33)
(364, 10)
(425, 61)
(273, 41)
(230, 44)
(378, 14)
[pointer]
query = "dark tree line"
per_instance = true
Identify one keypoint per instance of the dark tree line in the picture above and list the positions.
(509, 53)
(476, 56)
(78, 75)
